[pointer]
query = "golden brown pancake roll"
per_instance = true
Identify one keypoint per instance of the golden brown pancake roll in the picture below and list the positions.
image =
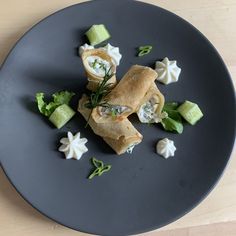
(121, 136)
(124, 99)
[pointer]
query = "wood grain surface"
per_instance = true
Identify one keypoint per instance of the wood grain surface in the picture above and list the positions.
(216, 215)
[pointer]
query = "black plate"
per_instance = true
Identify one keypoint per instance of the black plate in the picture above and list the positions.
(142, 191)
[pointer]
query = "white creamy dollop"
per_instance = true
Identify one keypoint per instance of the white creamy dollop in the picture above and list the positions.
(85, 47)
(166, 148)
(98, 66)
(168, 71)
(114, 53)
(130, 148)
(73, 146)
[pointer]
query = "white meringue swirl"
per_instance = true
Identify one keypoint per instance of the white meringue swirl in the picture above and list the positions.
(166, 148)
(73, 146)
(168, 71)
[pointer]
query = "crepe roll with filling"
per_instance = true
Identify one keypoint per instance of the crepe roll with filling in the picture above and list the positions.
(120, 136)
(150, 107)
(96, 63)
(124, 99)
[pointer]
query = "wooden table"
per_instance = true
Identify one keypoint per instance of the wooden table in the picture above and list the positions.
(216, 215)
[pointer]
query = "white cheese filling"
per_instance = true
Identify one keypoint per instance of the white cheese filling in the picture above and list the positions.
(147, 112)
(98, 66)
(130, 148)
(113, 110)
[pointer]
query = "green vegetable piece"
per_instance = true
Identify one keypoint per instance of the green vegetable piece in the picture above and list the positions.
(59, 99)
(95, 172)
(97, 163)
(100, 168)
(62, 97)
(173, 122)
(97, 34)
(42, 105)
(171, 125)
(190, 112)
(106, 168)
(61, 115)
(170, 106)
(143, 50)
(40, 101)
(173, 114)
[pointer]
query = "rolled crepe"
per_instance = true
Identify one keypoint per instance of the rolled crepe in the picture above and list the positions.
(124, 99)
(150, 107)
(94, 79)
(120, 136)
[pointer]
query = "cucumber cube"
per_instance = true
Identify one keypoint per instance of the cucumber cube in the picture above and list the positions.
(61, 115)
(97, 34)
(190, 112)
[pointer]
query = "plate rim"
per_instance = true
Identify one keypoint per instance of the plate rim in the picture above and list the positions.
(227, 159)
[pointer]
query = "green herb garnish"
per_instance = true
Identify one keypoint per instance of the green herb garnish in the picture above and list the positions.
(172, 125)
(102, 65)
(59, 99)
(96, 98)
(58, 110)
(144, 50)
(170, 106)
(114, 113)
(173, 122)
(94, 63)
(100, 168)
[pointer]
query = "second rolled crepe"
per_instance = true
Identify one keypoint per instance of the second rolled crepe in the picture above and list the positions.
(124, 99)
(121, 136)
(96, 63)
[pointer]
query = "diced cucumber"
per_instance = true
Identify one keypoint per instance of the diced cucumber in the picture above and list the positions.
(171, 125)
(97, 34)
(190, 112)
(61, 115)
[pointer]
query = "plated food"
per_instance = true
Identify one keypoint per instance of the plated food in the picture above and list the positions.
(121, 136)
(143, 180)
(110, 103)
(136, 92)
(127, 96)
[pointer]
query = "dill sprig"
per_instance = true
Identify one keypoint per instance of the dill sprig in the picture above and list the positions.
(96, 98)
(94, 63)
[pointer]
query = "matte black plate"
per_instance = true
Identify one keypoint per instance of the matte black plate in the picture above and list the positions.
(142, 191)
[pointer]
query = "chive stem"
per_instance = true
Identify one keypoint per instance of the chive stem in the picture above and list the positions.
(144, 50)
